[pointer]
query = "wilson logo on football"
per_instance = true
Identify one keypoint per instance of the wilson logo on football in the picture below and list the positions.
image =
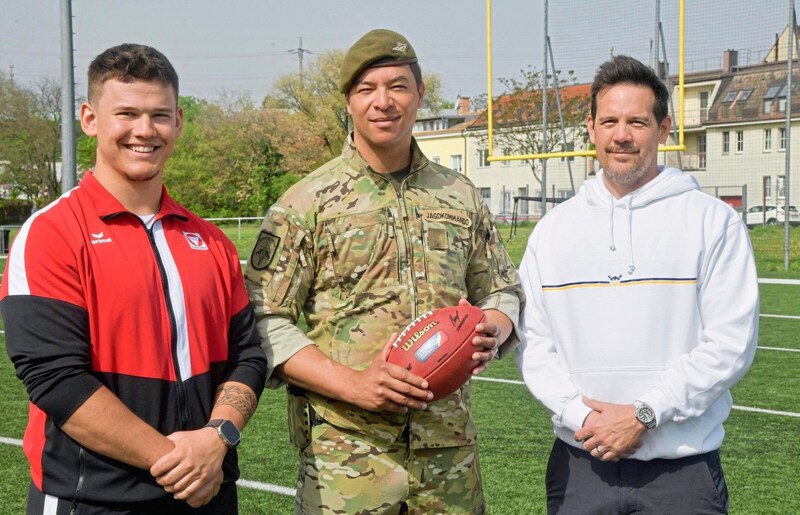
(413, 338)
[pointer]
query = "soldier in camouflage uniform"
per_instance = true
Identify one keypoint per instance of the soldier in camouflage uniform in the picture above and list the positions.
(360, 248)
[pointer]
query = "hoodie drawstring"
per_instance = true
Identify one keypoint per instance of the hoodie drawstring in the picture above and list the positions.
(632, 266)
(612, 245)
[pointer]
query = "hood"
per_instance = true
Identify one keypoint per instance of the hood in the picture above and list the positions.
(668, 182)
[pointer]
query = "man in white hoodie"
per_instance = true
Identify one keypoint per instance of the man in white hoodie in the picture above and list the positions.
(642, 313)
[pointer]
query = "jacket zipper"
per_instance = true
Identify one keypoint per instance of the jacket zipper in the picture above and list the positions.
(412, 276)
(81, 477)
(392, 235)
(182, 403)
(334, 255)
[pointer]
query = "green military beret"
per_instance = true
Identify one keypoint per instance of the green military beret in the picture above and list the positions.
(379, 47)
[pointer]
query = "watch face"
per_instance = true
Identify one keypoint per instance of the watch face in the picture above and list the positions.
(230, 433)
(645, 415)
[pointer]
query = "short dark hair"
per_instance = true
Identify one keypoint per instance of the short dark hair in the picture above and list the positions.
(128, 63)
(622, 69)
(417, 72)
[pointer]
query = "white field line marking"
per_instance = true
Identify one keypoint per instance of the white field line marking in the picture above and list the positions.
(743, 408)
(255, 485)
(763, 347)
(790, 317)
(779, 281)
(266, 487)
(767, 411)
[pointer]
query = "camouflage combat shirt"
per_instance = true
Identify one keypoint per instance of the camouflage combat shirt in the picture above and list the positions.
(360, 260)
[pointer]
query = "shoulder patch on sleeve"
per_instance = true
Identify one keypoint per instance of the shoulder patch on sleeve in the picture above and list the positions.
(265, 249)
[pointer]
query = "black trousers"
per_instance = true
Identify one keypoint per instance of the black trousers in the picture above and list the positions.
(579, 483)
(224, 503)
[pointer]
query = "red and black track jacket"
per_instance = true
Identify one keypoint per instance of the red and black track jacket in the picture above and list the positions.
(160, 316)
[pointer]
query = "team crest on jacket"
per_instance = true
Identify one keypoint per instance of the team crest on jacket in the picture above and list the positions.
(195, 241)
(614, 280)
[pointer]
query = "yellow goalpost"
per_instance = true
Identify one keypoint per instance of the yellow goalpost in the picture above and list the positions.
(576, 153)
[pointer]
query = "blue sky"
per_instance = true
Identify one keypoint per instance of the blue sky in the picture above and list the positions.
(241, 46)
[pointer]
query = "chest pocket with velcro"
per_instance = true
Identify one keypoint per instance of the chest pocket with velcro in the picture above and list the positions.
(361, 251)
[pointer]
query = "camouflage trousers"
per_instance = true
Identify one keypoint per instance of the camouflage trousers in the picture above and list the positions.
(341, 472)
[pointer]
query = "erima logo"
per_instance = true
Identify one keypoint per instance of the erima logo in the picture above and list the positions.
(400, 47)
(614, 279)
(97, 238)
(195, 241)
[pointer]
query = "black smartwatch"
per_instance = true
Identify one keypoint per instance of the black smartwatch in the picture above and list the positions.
(227, 431)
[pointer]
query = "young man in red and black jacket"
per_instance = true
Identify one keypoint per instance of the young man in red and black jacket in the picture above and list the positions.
(127, 320)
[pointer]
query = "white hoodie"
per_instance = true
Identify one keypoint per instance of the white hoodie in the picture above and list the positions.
(652, 297)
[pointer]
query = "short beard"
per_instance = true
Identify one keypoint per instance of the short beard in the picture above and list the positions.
(626, 179)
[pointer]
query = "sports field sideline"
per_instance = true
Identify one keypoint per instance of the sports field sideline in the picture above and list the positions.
(759, 453)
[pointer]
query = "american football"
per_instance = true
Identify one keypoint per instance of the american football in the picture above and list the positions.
(438, 347)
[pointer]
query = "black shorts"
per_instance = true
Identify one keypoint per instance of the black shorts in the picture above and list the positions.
(225, 503)
(579, 483)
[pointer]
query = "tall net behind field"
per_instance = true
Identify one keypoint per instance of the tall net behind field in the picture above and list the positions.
(734, 139)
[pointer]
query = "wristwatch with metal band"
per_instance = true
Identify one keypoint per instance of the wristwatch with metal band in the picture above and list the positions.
(645, 414)
(226, 430)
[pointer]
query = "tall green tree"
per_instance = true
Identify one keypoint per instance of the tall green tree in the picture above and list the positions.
(30, 138)
(235, 160)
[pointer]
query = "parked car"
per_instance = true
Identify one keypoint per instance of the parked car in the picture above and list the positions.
(769, 214)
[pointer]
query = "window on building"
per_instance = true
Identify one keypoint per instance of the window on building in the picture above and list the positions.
(782, 139)
(739, 109)
(537, 205)
(782, 105)
(522, 207)
(565, 194)
(739, 142)
(486, 195)
(780, 188)
(455, 162)
(767, 140)
(772, 92)
(704, 100)
(701, 151)
(483, 158)
(703, 106)
(506, 153)
(506, 202)
(767, 182)
(769, 98)
(730, 96)
(436, 159)
(726, 142)
(726, 109)
(744, 95)
(568, 147)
